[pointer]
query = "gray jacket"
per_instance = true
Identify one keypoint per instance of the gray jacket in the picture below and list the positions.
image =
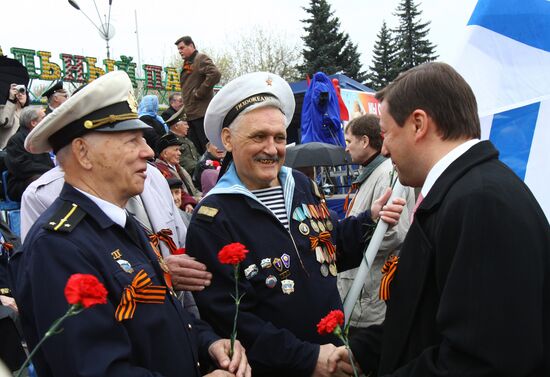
(370, 309)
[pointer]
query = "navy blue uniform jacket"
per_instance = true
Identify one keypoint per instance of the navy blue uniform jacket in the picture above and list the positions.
(278, 330)
(160, 340)
(471, 296)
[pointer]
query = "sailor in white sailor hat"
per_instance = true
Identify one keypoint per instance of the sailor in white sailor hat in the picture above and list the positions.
(273, 99)
(271, 209)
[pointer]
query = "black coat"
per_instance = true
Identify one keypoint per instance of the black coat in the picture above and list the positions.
(152, 135)
(471, 296)
(23, 167)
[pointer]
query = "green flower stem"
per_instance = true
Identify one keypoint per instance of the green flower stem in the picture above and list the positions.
(54, 329)
(237, 302)
(346, 344)
(344, 338)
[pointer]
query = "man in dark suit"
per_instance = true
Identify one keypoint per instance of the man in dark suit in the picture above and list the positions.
(471, 296)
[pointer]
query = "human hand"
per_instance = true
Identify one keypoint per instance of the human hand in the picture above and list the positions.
(13, 92)
(188, 208)
(321, 369)
(387, 212)
(238, 364)
(339, 364)
(219, 373)
(9, 302)
(187, 274)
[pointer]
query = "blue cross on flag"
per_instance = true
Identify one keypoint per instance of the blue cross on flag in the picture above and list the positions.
(506, 60)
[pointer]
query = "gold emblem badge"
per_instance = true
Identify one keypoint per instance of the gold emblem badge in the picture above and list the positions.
(132, 101)
(269, 82)
(116, 254)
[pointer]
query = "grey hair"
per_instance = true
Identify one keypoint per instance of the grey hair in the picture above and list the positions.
(62, 155)
(269, 102)
(28, 114)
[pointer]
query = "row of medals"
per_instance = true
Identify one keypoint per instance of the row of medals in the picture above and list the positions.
(282, 265)
(318, 217)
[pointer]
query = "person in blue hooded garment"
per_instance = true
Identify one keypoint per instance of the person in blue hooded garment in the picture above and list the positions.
(148, 113)
(321, 113)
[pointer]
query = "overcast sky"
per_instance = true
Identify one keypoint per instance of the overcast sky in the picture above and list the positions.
(57, 27)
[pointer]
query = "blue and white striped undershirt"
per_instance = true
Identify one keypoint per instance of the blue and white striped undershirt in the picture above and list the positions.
(273, 199)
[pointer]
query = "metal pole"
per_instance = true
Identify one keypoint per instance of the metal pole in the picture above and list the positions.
(138, 49)
(368, 258)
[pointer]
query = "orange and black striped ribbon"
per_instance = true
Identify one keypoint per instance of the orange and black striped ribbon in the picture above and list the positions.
(347, 204)
(388, 270)
(154, 241)
(7, 246)
(164, 235)
(324, 237)
(141, 290)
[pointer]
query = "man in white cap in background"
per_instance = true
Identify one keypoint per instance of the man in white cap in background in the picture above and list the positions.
(99, 144)
(281, 217)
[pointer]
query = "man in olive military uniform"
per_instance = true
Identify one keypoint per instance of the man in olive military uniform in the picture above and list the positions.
(179, 127)
(98, 141)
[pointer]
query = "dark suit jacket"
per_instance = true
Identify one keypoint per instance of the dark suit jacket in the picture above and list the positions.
(471, 296)
(23, 167)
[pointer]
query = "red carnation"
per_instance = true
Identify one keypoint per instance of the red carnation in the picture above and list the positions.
(86, 290)
(328, 324)
(234, 253)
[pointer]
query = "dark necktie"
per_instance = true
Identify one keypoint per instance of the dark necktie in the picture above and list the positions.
(134, 230)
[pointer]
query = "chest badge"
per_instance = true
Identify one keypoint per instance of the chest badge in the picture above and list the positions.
(251, 271)
(271, 281)
(288, 286)
(125, 265)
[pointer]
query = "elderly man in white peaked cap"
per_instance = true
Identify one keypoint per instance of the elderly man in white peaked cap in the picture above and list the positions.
(296, 248)
(99, 144)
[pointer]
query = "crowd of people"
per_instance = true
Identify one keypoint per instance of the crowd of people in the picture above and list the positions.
(145, 202)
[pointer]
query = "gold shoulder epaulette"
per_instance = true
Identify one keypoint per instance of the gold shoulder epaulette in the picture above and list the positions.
(66, 218)
(207, 213)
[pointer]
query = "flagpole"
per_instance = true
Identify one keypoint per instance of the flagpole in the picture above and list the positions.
(368, 258)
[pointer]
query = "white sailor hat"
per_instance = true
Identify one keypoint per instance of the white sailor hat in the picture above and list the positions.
(107, 104)
(241, 93)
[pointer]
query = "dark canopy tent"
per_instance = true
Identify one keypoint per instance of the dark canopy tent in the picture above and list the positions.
(299, 88)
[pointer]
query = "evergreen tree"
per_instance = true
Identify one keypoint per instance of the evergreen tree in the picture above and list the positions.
(413, 46)
(351, 62)
(383, 69)
(327, 49)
